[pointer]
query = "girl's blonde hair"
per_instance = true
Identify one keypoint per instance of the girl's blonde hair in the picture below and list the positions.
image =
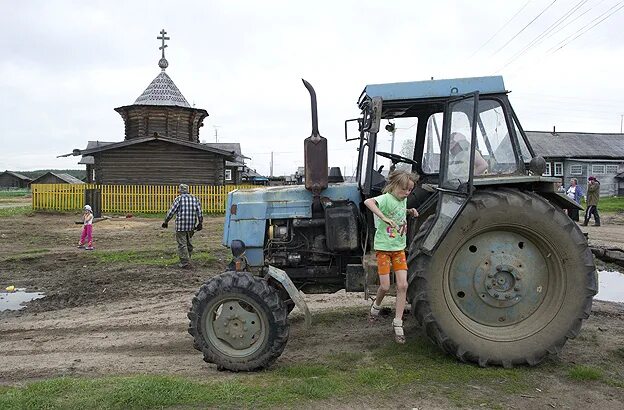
(399, 179)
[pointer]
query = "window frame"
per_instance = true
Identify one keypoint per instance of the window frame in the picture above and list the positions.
(555, 173)
(574, 167)
(548, 171)
(594, 166)
(611, 172)
(228, 171)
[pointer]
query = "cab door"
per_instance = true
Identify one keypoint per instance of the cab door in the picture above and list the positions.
(456, 165)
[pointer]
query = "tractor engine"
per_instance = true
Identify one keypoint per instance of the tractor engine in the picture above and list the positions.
(319, 247)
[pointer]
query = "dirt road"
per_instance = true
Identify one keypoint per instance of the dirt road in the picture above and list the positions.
(121, 309)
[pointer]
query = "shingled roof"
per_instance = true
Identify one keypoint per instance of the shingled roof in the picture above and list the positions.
(162, 91)
(577, 144)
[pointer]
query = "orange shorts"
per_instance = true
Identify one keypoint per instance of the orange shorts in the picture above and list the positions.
(387, 258)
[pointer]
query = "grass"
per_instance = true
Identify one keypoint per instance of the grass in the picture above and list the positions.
(14, 193)
(15, 211)
(584, 373)
(149, 257)
(609, 204)
(289, 385)
(31, 254)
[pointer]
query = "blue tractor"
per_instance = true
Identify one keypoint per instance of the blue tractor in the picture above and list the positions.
(498, 274)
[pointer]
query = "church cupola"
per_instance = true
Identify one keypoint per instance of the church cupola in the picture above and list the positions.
(161, 110)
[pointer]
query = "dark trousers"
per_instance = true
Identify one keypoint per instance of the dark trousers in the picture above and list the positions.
(573, 214)
(592, 210)
(185, 247)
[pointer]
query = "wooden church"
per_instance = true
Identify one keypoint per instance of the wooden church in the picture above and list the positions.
(161, 144)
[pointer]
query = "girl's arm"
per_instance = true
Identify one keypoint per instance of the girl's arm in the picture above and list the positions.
(372, 205)
(89, 217)
(413, 212)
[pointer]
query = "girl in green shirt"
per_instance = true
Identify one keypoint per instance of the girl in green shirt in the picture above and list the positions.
(390, 210)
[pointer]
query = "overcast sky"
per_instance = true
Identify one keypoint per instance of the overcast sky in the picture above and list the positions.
(67, 64)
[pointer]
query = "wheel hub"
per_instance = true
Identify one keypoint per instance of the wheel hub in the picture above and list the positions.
(498, 278)
(237, 326)
(499, 285)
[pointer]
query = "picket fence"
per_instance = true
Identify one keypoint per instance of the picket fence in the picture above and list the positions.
(128, 198)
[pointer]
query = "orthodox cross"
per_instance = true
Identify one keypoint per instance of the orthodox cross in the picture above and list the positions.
(163, 38)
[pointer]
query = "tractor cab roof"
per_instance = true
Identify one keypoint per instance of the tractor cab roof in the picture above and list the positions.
(400, 97)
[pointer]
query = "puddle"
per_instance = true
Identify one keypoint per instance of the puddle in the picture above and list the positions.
(610, 286)
(16, 300)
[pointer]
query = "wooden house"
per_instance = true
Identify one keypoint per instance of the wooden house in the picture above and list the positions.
(235, 169)
(161, 144)
(580, 155)
(9, 179)
(53, 178)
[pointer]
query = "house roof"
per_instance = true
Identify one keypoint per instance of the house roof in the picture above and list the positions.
(253, 175)
(230, 146)
(103, 146)
(577, 144)
(63, 177)
(162, 91)
(18, 176)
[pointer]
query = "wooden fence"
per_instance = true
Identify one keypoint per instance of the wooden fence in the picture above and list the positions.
(128, 198)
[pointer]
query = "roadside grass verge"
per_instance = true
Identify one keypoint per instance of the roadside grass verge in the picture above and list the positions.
(14, 193)
(15, 211)
(30, 254)
(149, 257)
(368, 377)
(609, 204)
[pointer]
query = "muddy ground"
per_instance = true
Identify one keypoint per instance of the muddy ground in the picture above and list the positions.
(121, 309)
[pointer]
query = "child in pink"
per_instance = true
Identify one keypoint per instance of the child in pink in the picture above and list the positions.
(87, 229)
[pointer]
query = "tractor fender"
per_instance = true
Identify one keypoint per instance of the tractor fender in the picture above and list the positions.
(281, 276)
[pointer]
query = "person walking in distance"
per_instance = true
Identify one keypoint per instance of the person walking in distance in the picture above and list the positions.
(390, 210)
(187, 210)
(575, 193)
(593, 196)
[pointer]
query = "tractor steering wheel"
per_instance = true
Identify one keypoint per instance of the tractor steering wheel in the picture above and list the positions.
(396, 158)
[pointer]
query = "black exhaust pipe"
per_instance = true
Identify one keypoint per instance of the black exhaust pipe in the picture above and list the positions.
(315, 154)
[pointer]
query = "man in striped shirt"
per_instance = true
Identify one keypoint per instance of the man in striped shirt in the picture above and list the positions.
(187, 210)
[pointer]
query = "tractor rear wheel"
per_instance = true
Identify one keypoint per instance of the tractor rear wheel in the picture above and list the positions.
(510, 282)
(238, 322)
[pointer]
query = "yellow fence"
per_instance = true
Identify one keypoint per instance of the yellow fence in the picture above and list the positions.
(128, 198)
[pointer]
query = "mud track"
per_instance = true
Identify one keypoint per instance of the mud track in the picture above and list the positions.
(106, 314)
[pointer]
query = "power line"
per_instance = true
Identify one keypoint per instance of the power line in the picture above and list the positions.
(524, 28)
(594, 25)
(500, 29)
(542, 35)
(574, 19)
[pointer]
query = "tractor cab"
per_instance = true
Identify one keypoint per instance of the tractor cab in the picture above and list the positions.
(463, 133)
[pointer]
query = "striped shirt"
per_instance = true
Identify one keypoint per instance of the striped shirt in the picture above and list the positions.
(187, 209)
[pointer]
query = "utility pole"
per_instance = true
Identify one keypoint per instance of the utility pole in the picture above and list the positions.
(621, 120)
(216, 128)
(271, 164)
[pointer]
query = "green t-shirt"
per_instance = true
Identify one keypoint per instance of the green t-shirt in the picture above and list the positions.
(388, 238)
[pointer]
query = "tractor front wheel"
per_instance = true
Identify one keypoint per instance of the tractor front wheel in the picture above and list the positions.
(238, 322)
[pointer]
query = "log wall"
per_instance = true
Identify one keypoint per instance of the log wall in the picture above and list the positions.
(160, 163)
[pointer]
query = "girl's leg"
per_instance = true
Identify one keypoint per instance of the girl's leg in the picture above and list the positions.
(383, 270)
(83, 235)
(401, 290)
(89, 235)
(384, 287)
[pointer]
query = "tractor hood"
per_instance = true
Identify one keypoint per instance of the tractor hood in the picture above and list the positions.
(248, 210)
